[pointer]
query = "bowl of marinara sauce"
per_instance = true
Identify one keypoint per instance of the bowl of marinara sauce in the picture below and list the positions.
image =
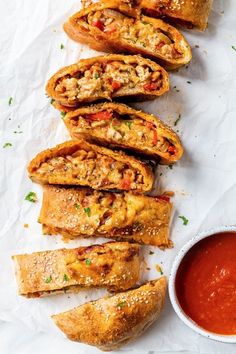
(202, 284)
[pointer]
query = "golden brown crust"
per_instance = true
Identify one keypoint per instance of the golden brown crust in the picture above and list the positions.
(192, 13)
(137, 93)
(110, 322)
(113, 265)
(78, 29)
(100, 133)
(103, 169)
(123, 216)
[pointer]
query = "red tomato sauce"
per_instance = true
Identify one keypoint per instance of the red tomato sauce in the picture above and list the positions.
(206, 283)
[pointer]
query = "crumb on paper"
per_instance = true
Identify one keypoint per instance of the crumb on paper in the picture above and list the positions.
(26, 226)
(148, 268)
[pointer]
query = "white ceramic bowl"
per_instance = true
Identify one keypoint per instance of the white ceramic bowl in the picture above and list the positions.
(173, 298)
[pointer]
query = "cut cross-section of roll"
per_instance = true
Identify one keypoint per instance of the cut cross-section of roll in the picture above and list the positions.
(115, 124)
(112, 265)
(113, 26)
(110, 322)
(81, 163)
(82, 212)
(108, 77)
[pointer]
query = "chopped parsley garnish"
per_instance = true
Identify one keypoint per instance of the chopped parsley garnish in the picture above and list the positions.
(151, 252)
(63, 114)
(52, 100)
(76, 205)
(170, 167)
(10, 101)
(128, 123)
(87, 211)
(88, 261)
(121, 304)
(31, 197)
(66, 278)
(185, 220)
(189, 82)
(96, 76)
(48, 279)
(143, 44)
(62, 46)
(234, 47)
(177, 120)
(7, 145)
(18, 132)
(159, 269)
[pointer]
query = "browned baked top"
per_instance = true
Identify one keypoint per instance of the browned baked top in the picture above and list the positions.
(110, 322)
(79, 212)
(114, 265)
(190, 13)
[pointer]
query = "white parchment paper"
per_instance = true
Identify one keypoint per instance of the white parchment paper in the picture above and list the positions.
(204, 94)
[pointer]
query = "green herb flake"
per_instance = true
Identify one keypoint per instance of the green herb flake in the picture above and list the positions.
(177, 120)
(62, 46)
(88, 261)
(189, 82)
(76, 205)
(151, 253)
(52, 100)
(128, 123)
(87, 211)
(10, 101)
(170, 167)
(48, 279)
(31, 197)
(233, 47)
(185, 220)
(159, 269)
(18, 132)
(65, 277)
(121, 304)
(96, 76)
(63, 114)
(7, 145)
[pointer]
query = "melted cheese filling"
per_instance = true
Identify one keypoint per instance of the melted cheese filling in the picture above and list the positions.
(96, 169)
(137, 32)
(109, 79)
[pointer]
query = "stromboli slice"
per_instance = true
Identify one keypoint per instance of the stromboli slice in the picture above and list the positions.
(81, 212)
(114, 265)
(108, 77)
(112, 26)
(81, 163)
(190, 14)
(124, 127)
(110, 322)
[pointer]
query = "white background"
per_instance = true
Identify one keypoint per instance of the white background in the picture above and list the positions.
(203, 181)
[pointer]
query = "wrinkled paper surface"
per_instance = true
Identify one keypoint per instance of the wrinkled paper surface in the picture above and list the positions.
(203, 181)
